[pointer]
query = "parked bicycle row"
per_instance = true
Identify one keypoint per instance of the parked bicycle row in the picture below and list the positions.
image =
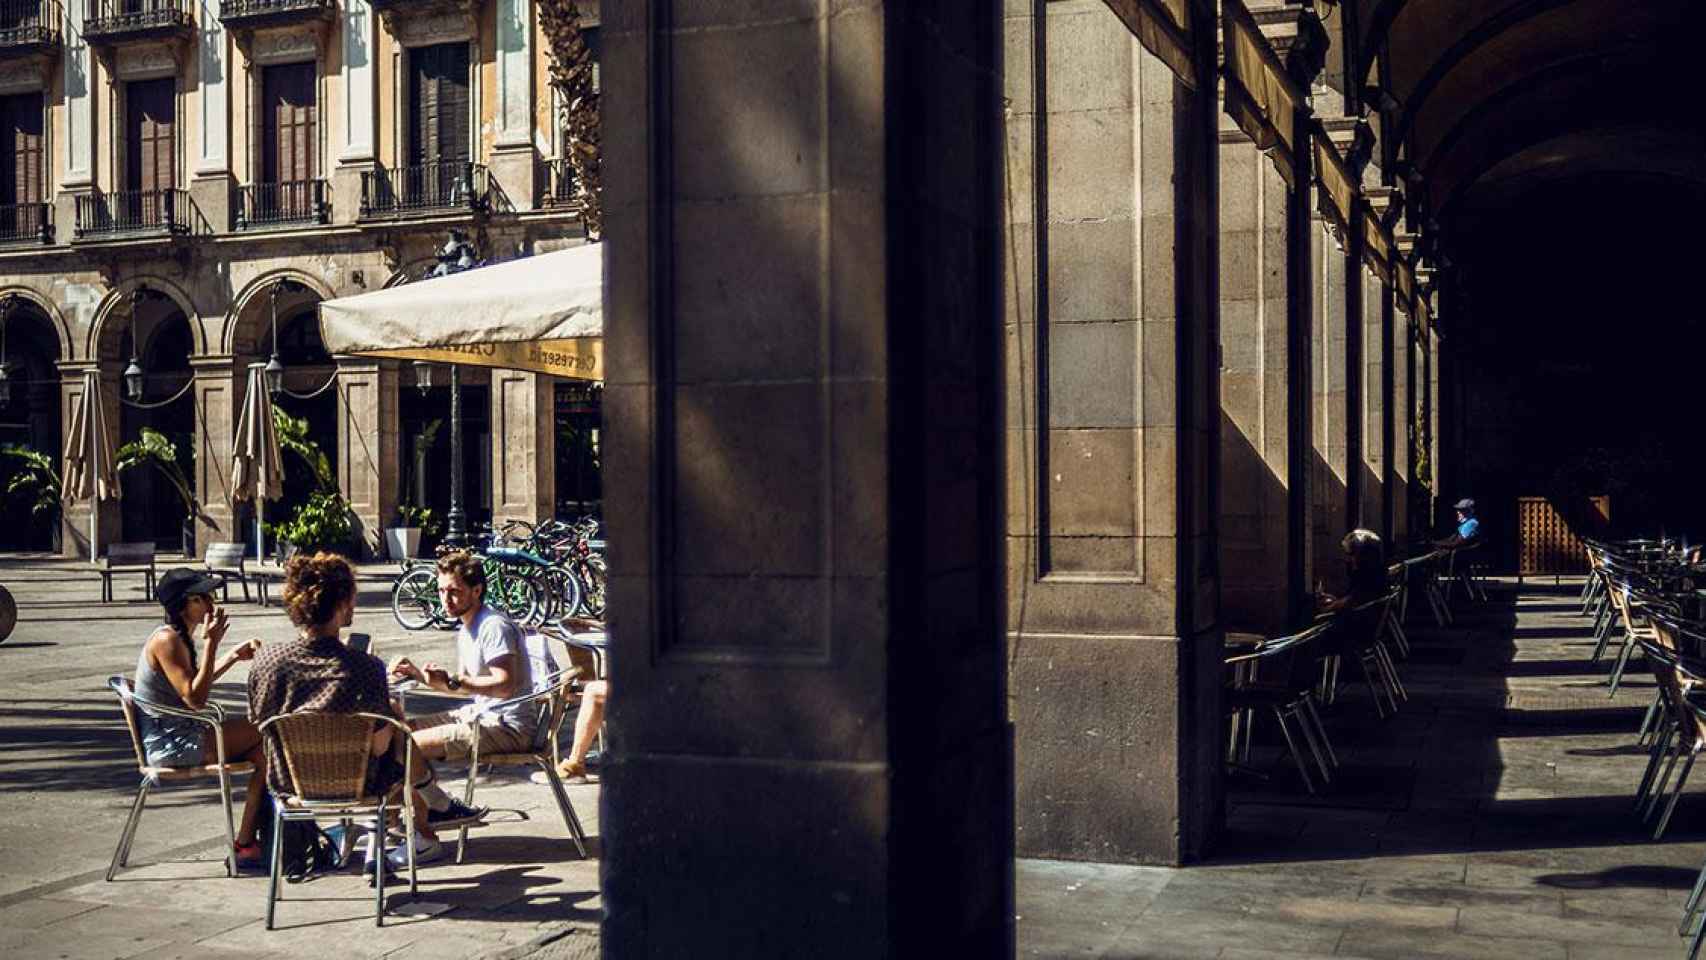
(535, 573)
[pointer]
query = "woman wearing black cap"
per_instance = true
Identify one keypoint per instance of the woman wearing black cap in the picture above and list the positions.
(169, 673)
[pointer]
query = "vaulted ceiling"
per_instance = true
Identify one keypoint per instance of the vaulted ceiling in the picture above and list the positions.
(1483, 100)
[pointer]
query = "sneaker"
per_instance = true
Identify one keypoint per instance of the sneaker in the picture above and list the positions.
(455, 815)
(427, 850)
(250, 856)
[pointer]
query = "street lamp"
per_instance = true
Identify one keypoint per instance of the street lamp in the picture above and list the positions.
(455, 256)
(133, 374)
(275, 369)
(6, 306)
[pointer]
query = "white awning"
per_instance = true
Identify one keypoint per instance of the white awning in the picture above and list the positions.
(543, 313)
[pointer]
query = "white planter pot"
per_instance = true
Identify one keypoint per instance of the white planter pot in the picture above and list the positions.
(402, 542)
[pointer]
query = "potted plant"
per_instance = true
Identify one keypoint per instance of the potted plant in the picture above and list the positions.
(403, 540)
(38, 482)
(154, 449)
(324, 522)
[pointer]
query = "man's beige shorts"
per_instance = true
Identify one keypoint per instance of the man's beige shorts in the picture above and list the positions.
(451, 727)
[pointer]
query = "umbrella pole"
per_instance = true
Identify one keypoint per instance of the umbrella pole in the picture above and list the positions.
(94, 527)
(260, 542)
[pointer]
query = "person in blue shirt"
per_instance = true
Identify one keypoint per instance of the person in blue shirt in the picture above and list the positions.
(1468, 528)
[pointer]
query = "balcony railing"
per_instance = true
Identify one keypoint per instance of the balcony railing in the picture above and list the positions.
(262, 205)
(26, 223)
(113, 20)
(556, 183)
(253, 13)
(139, 212)
(428, 188)
(29, 24)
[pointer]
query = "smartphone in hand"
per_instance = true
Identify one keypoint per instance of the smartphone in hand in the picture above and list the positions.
(360, 642)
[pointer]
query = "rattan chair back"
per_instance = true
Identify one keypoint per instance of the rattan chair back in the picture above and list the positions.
(325, 754)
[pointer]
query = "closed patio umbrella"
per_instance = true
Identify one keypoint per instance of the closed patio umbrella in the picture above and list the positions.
(255, 468)
(90, 455)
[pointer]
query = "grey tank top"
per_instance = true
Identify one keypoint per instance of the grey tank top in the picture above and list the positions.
(152, 685)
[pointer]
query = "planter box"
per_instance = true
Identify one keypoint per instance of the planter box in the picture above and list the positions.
(402, 543)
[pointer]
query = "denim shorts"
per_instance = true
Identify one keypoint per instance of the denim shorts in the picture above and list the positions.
(169, 744)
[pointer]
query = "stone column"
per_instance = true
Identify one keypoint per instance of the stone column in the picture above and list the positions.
(369, 457)
(219, 387)
(1431, 402)
(359, 150)
(1403, 424)
(211, 180)
(75, 518)
(77, 64)
(1113, 453)
(1255, 369)
(524, 462)
(1372, 489)
(803, 482)
(514, 162)
(1333, 401)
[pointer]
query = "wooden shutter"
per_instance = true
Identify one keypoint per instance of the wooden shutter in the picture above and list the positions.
(439, 103)
(150, 116)
(288, 109)
(21, 156)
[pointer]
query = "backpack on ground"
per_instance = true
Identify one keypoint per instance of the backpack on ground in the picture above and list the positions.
(306, 849)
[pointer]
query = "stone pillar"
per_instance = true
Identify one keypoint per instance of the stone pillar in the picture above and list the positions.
(1255, 369)
(218, 391)
(524, 462)
(513, 162)
(1113, 454)
(1334, 405)
(1430, 383)
(369, 457)
(75, 519)
(77, 64)
(211, 180)
(803, 482)
(1403, 420)
(1372, 489)
(359, 150)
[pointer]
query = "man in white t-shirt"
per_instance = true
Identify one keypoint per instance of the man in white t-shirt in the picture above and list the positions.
(492, 667)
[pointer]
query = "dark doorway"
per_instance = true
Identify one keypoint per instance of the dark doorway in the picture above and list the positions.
(289, 142)
(425, 449)
(580, 487)
(150, 170)
(29, 418)
(152, 507)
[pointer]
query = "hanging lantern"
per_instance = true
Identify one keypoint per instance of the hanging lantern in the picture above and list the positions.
(275, 376)
(133, 380)
(423, 376)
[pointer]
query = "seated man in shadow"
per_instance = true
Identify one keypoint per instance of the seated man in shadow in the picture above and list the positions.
(1365, 572)
(1468, 528)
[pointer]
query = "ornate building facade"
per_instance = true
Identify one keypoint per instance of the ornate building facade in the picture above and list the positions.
(182, 181)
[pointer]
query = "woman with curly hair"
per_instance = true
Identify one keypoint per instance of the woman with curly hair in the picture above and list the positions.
(317, 671)
(169, 673)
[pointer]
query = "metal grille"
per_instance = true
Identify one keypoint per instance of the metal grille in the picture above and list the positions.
(423, 188)
(29, 21)
(26, 223)
(124, 16)
(270, 204)
(133, 211)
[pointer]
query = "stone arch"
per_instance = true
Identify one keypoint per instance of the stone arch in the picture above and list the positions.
(110, 316)
(47, 308)
(252, 295)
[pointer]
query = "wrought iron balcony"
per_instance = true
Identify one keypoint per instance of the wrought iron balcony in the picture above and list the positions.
(556, 183)
(29, 26)
(23, 223)
(260, 13)
(113, 21)
(132, 212)
(263, 205)
(423, 190)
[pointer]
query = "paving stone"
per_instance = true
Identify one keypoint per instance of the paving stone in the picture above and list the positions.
(1384, 943)
(31, 914)
(1632, 931)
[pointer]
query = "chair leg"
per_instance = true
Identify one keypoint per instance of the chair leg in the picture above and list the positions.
(1296, 711)
(230, 830)
(1647, 721)
(568, 809)
(1296, 754)
(1676, 793)
(277, 866)
(1661, 748)
(1327, 744)
(121, 853)
(1375, 687)
(1693, 903)
(1622, 661)
(379, 864)
(1656, 794)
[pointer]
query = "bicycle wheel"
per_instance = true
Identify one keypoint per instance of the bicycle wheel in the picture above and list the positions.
(414, 599)
(565, 590)
(591, 571)
(517, 595)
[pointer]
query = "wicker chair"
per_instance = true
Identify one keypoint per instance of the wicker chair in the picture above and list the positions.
(326, 757)
(212, 715)
(552, 699)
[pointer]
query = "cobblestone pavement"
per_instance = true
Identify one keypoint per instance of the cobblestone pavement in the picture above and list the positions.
(68, 775)
(1491, 818)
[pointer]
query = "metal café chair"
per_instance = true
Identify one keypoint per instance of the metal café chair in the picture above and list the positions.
(213, 716)
(326, 756)
(1291, 701)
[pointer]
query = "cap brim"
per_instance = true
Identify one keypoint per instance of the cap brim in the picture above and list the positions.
(206, 583)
